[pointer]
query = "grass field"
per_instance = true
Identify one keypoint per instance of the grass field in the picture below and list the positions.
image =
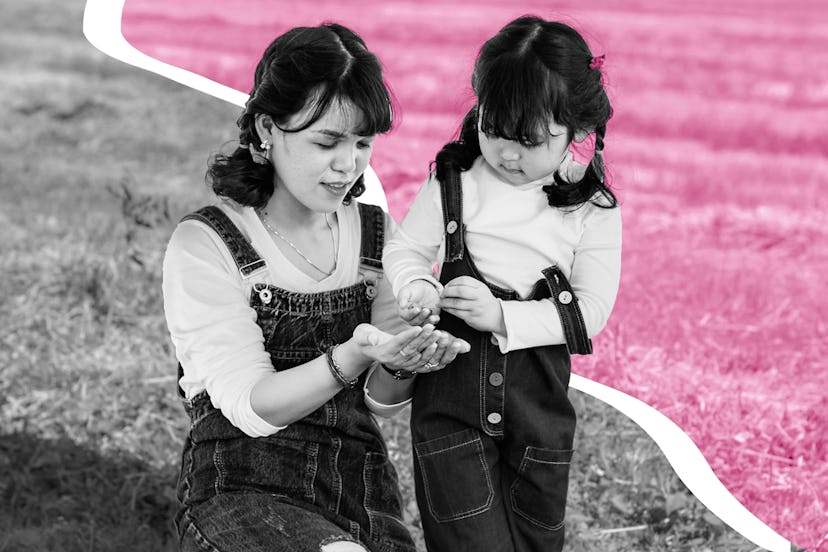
(718, 323)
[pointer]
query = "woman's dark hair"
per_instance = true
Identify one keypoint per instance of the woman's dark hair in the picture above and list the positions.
(531, 71)
(325, 64)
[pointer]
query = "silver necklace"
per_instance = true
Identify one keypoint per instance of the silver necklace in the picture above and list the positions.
(263, 217)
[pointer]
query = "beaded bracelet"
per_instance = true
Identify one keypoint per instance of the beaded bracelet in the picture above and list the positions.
(337, 371)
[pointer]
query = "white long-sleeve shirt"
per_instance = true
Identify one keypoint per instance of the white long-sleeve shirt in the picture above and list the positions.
(512, 234)
(212, 326)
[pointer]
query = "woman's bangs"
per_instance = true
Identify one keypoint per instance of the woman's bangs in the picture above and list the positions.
(370, 96)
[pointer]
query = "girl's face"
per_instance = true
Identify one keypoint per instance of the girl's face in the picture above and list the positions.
(317, 166)
(519, 164)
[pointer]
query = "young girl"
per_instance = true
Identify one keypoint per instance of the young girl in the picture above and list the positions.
(268, 297)
(530, 243)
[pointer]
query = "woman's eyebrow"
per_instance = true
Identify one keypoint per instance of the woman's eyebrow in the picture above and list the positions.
(332, 133)
(338, 135)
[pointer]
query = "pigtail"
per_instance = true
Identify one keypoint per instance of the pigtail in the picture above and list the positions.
(460, 154)
(597, 161)
(572, 194)
(237, 176)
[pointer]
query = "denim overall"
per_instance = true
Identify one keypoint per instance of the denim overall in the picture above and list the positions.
(323, 478)
(493, 433)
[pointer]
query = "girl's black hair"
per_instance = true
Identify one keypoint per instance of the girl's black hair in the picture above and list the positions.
(324, 65)
(531, 71)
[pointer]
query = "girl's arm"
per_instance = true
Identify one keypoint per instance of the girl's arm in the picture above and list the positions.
(595, 276)
(414, 246)
(385, 395)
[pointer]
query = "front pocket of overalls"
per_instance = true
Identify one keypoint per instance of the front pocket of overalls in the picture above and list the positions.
(383, 503)
(455, 475)
(539, 491)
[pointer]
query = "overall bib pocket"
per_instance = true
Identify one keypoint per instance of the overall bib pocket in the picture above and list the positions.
(454, 494)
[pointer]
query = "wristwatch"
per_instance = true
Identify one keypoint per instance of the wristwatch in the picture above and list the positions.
(399, 374)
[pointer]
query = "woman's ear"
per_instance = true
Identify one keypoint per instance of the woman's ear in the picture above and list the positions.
(264, 127)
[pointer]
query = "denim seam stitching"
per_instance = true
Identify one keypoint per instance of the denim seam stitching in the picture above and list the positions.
(218, 464)
(336, 477)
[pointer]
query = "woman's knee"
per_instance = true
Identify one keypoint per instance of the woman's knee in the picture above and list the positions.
(342, 546)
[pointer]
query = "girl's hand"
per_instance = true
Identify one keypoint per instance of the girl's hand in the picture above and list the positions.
(472, 301)
(419, 302)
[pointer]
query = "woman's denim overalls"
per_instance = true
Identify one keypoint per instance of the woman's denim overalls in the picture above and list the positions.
(493, 433)
(241, 493)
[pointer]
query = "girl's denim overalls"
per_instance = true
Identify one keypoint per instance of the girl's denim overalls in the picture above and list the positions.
(493, 433)
(323, 478)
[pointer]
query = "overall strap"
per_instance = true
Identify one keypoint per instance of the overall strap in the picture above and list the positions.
(372, 221)
(451, 193)
(572, 319)
(247, 259)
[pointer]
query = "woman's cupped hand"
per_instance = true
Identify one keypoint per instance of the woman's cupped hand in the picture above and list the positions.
(417, 348)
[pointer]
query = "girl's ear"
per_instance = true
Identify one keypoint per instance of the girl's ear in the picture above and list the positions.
(580, 135)
(264, 127)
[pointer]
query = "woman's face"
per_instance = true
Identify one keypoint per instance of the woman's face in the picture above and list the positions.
(317, 166)
(519, 164)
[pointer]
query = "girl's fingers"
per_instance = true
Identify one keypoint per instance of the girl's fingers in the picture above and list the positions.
(422, 316)
(409, 314)
(460, 292)
(456, 304)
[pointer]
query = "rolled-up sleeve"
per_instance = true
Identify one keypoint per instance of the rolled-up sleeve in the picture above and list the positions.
(414, 247)
(212, 326)
(595, 276)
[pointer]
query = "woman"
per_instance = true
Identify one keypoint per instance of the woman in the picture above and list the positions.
(268, 298)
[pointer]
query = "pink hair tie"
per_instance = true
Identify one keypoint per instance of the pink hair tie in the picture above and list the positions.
(597, 62)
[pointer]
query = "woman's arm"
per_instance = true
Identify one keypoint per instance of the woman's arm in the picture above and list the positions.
(412, 250)
(221, 348)
(213, 328)
(286, 396)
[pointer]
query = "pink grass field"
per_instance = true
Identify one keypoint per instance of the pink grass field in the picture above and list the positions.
(718, 152)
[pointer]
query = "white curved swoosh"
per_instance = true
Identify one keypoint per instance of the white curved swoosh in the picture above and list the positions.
(102, 28)
(689, 464)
